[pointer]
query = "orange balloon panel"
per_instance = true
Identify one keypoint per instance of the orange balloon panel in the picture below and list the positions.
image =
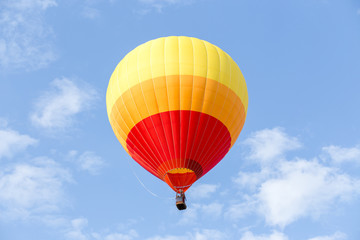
(177, 105)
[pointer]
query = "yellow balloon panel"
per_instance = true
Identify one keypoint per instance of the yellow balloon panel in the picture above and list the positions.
(174, 56)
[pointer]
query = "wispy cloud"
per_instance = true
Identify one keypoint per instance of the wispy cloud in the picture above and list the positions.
(13, 142)
(286, 190)
(303, 188)
(202, 190)
(341, 155)
(25, 38)
(239, 210)
(270, 144)
(276, 235)
(78, 230)
(90, 9)
(335, 236)
(90, 12)
(122, 236)
(31, 190)
(273, 236)
(159, 5)
(57, 108)
(28, 4)
(87, 161)
(251, 180)
(208, 234)
(211, 211)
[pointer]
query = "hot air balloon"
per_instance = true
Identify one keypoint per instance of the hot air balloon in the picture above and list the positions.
(177, 106)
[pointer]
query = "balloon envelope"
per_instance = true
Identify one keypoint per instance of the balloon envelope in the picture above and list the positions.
(177, 106)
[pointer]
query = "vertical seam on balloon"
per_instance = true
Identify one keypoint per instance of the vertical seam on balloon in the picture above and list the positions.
(211, 153)
(180, 159)
(157, 161)
(217, 82)
(177, 151)
(242, 100)
(141, 122)
(166, 163)
(214, 151)
(171, 127)
(227, 93)
(111, 117)
(241, 124)
(217, 154)
(220, 154)
(191, 101)
(196, 131)
(243, 93)
(234, 122)
(240, 114)
(150, 167)
(208, 119)
(133, 100)
(174, 129)
(149, 155)
(117, 109)
(171, 164)
(158, 111)
(217, 88)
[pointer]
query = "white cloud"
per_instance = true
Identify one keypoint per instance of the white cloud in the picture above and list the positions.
(159, 5)
(303, 188)
(202, 190)
(204, 234)
(190, 216)
(274, 236)
(25, 38)
(209, 234)
(335, 236)
(78, 231)
(122, 236)
(90, 162)
(30, 190)
(30, 4)
(287, 190)
(169, 237)
(89, 9)
(153, 2)
(251, 180)
(268, 145)
(87, 161)
(340, 155)
(90, 12)
(56, 108)
(240, 210)
(211, 211)
(13, 142)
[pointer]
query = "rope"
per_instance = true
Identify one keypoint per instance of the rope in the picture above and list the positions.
(143, 185)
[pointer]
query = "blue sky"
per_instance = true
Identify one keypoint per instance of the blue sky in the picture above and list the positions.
(293, 174)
